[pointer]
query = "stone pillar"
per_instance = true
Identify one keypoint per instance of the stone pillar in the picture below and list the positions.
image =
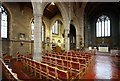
(82, 28)
(37, 37)
(119, 30)
(67, 40)
(0, 36)
(67, 32)
(78, 41)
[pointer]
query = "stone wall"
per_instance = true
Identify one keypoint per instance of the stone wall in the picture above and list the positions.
(20, 16)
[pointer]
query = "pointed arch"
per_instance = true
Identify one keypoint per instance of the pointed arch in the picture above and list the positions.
(62, 8)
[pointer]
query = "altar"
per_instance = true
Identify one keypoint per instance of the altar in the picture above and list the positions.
(103, 49)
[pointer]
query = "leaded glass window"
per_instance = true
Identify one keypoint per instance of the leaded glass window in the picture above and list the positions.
(103, 26)
(4, 22)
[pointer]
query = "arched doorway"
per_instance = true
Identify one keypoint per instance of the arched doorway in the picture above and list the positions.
(72, 37)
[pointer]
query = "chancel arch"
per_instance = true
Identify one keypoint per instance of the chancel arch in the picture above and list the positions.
(101, 23)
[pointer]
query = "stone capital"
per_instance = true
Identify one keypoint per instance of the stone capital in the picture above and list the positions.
(66, 29)
(38, 15)
(78, 35)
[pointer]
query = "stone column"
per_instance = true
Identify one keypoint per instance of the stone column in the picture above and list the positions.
(0, 36)
(78, 41)
(37, 37)
(119, 29)
(82, 28)
(67, 32)
(67, 40)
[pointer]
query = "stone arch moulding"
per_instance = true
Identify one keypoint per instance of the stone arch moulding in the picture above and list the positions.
(62, 8)
(75, 23)
(37, 8)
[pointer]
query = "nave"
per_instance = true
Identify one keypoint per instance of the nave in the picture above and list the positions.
(100, 68)
(60, 28)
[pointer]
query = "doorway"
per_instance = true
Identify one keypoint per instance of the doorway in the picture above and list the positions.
(72, 37)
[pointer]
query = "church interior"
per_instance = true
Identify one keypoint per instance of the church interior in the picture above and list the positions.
(63, 41)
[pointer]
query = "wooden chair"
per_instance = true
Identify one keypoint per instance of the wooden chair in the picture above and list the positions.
(44, 70)
(59, 63)
(52, 74)
(53, 61)
(44, 59)
(62, 75)
(77, 67)
(82, 60)
(37, 69)
(69, 58)
(58, 56)
(6, 58)
(63, 57)
(48, 60)
(65, 64)
(74, 59)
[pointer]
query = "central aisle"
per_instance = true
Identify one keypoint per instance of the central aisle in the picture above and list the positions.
(103, 67)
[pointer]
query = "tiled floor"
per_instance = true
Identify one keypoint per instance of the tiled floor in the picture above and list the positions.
(103, 67)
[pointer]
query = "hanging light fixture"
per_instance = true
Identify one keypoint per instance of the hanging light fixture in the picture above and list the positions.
(52, 3)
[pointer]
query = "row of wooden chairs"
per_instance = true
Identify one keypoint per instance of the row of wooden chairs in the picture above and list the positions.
(69, 60)
(87, 59)
(77, 54)
(72, 59)
(8, 74)
(72, 53)
(65, 64)
(50, 72)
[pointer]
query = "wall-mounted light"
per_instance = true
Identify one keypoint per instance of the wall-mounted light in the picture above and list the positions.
(59, 41)
(22, 43)
(21, 36)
